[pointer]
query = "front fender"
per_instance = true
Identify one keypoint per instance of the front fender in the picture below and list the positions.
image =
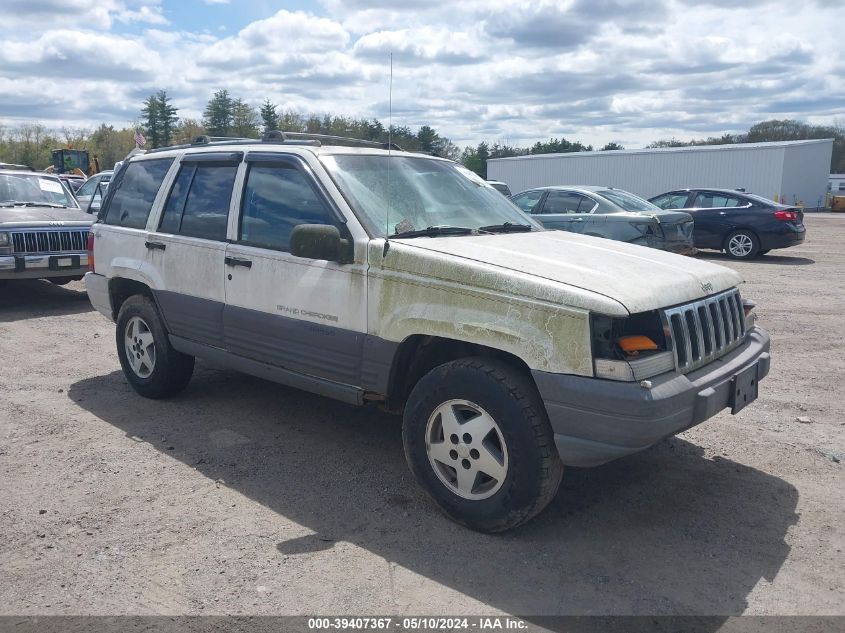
(546, 337)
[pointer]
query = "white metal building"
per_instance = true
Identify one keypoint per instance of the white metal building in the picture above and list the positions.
(792, 171)
(836, 184)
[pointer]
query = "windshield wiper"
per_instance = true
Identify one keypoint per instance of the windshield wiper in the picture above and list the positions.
(18, 203)
(52, 205)
(507, 227)
(435, 231)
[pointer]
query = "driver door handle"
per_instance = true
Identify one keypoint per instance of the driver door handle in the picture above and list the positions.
(235, 261)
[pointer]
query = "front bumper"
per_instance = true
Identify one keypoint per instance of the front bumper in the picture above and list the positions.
(43, 266)
(596, 421)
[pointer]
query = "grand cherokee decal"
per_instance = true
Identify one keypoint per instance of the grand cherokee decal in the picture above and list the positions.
(307, 313)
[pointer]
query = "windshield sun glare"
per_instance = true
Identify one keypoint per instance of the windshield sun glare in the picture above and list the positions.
(401, 194)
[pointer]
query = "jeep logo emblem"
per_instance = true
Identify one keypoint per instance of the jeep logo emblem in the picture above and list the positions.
(56, 223)
(708, 287)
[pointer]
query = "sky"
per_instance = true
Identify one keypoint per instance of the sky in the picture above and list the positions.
(507, 71)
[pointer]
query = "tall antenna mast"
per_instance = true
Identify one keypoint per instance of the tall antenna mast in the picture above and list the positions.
(389, 152)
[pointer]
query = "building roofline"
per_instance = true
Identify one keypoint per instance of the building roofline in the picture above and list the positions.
(669, 150)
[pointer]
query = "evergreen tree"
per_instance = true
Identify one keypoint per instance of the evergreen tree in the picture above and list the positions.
(218, 115)
(167, 118)
(269, 117)
(428, 139)
(475, 159)
(152, 124)
(562, 146)
(483, 156)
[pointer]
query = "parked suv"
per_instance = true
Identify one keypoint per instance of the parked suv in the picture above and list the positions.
(43, 232)
(373, 275)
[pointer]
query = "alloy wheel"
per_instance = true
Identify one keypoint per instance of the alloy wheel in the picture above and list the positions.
(140, 347)
(740, 245)
(466, 449)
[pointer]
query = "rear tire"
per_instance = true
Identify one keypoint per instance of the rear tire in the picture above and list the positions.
(742, 244)
(478, 440)
(150, 363)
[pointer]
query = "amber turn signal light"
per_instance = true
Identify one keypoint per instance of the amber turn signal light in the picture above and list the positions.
(632, 345)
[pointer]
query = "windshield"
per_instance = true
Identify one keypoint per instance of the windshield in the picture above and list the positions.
(418, 193)
(33, 189)
(627, 201)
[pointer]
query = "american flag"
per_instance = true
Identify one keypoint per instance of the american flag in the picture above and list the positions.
(140, 141)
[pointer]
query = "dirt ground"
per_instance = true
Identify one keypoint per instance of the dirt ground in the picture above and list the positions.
(244, 497)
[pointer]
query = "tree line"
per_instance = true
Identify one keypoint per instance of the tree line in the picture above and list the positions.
(227, 115)
(775, 130)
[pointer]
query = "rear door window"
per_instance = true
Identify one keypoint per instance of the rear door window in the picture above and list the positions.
(198, 204)
(671, 200)
(559, 202)
(713, 200)
(133, 195)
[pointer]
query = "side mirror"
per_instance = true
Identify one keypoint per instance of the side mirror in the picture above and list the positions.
(316, 241)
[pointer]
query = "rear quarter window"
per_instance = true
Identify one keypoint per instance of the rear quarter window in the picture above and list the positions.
(134, 193)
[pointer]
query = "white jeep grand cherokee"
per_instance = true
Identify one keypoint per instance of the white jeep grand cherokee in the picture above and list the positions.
(375, 275)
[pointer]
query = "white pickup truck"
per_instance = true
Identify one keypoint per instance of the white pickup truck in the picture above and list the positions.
(377, 276)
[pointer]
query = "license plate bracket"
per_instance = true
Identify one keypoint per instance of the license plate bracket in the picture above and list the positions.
(63, 262)
(743, 388)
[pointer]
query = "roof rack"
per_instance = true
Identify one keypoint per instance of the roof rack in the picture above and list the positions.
(330, 137)
(278, 136)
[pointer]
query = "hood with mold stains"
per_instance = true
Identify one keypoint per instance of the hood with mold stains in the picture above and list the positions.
(638, 277)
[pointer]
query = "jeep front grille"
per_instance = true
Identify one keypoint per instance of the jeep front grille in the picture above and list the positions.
(704, 330)
(25, 242)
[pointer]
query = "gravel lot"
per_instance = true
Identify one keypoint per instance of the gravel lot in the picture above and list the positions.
(241, 496)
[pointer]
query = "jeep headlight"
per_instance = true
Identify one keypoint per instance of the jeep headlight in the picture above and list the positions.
(4, 239)
(630, 348)
(5, 244)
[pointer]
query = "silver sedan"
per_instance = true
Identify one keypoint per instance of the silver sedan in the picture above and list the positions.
(610, 213)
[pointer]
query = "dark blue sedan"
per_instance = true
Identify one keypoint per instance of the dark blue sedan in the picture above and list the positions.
(744, 225)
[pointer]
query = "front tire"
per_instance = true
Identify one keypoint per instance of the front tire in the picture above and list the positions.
(478, 440)
(150, 363)
(742, 244)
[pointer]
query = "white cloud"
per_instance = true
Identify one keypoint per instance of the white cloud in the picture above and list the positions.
(45, 15)
(513, 70)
